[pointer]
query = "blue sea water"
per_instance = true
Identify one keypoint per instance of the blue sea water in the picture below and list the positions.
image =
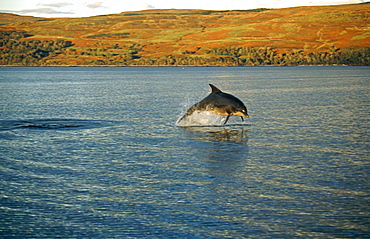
(95, 152)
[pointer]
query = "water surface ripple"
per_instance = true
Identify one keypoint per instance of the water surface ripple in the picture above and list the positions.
(95, 152)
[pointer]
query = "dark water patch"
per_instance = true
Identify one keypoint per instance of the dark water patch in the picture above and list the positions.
(54, 124)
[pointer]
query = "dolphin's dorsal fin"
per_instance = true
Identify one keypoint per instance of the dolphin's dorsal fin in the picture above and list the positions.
(214, 88)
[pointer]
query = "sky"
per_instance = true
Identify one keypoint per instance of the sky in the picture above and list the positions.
(85, 8)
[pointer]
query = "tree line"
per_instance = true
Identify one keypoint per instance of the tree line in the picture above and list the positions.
(243, 56)
(18, 51)
(14, 51)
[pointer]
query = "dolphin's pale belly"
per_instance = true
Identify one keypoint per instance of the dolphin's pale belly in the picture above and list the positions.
(216, 110)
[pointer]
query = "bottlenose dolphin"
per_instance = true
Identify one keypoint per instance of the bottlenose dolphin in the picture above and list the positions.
(219, 103)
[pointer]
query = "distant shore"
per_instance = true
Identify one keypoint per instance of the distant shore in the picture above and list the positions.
(316, 35)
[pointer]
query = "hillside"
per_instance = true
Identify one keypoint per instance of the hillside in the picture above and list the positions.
(290, 36)
(7, 18)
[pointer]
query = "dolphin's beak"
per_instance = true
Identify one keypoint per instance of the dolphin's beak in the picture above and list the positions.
(242, 114)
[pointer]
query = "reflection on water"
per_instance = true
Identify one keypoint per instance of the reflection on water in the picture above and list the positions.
(236, 134)
(225, 150)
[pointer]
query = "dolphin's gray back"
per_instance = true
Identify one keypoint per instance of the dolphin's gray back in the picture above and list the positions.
(222, 99)
(218, 100)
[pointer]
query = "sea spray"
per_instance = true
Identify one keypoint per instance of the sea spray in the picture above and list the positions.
(201, 118)
(197, 118)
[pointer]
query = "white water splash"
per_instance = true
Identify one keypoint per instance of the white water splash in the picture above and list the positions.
(201, 118)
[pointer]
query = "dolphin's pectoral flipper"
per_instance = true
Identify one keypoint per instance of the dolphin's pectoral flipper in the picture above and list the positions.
(242, 118)
(227, 118)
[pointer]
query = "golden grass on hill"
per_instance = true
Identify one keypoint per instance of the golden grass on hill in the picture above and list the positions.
(181, 32)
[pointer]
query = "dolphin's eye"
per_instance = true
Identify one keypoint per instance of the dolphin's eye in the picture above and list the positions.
(243, 111)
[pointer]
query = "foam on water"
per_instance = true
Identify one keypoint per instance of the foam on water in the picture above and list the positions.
(201, 118)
